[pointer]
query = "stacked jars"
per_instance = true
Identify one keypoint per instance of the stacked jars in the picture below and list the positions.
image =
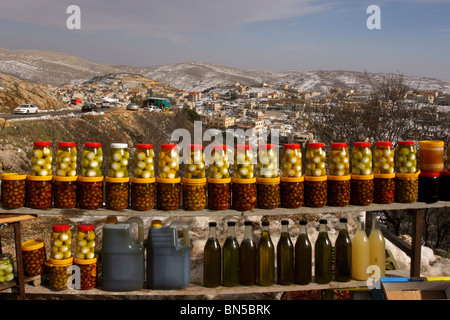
(383, 169)
(194, 181)
(219, 180)
(291, 180)
(85, 257)
(362, 183)
(90, 183)
(315, 175)
(143, 186)
(33, 255)
(168, 188)
(117, 186)
(244, 181)
(39, 181)
(60, 257)
(267, 180)
(339, 175)
(65, 180)
(431, 164)
(13, 190)
(406, 174)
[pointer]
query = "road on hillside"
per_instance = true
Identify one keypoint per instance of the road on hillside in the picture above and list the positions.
(43, 113)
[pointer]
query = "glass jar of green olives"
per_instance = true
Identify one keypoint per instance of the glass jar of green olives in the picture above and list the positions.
(361, 158)
(407, 187)
(88, 272)
(384, 187)
(92, 160)
(144, 161)
(267, 161)
(66, 159)
(85, 242)
(243, 162)
(39, 191)
(59, 273)
(65, 192)
(406, 157)
(195, 168)
(339, 159)
(194, 193)
(292, 192)
(90, 192)
(6, 268)
(291, 161)
(383, 158)
(143, 192)
(168, 193)
(118, 161)
(117, 191)
(13, 190)
(168, 162)
(219, 181)
(61, 242)
(316, 160)
(42, 159)
(219, 162)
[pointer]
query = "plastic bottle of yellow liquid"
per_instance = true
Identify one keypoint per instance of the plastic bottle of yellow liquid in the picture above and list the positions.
(377, 246)
(360, 252)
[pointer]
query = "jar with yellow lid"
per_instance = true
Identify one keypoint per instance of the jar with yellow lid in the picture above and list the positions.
(339, 159)
(243, 194)
(292, 190)
(13, 190)
(384, 188)
(168, 162)
(361, 189)
(291, 161)
(383, 158)
(316, 191)
(195, 168)
(61, 242)
(144, 162)
(85, 242)
(92, 160)
(117, 193)
(243, 162)
(361, 158)
(59, 273)
(219, 181)
(90, 192)
(143, 192)
(194, 193)
(431, 155)
(65, 192)
(7, 272)
(118, 161)
(42, 159)
(406, 157)
(267, 161)
(34, 256)
(39, 191)
(268, 192)
(407, 187)
(88, 272)
(66, 159)
(338, 193)
(316, 158)
(168, 193)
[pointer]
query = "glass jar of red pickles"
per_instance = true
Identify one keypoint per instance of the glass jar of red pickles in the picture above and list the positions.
(90, 192)
(431, 155)
(13, 190)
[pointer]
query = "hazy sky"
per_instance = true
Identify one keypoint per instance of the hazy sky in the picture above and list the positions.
(414, 38)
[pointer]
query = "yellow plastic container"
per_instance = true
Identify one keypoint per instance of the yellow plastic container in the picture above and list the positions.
(33, 253)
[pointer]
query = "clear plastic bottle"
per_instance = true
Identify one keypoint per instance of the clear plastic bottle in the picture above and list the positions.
(231, 257)
(285, 256)
(212, 263)
(360, 251)
(322, 255)
(343, 253)
(266, 257)
(247, 256)
(377, 246)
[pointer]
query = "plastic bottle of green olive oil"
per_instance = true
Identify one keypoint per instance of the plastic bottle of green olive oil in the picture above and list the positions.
(212, 263)
(322, 255)
(231, 257)
(247, 257)
(266, 257)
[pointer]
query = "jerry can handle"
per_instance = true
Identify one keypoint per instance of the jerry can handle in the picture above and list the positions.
(140, 224)
(184, 226)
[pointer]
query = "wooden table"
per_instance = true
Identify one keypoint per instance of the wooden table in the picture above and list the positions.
(14, 220)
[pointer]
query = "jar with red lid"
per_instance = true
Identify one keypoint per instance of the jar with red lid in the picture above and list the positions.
(361, 158)
(42, 159)
(195, 168)
(291, 161)
(383, 158)
(168, 162)
(339, 159)
(144, 162)
(316, 160)
(61, 242)
(92, 160)
(219, 180)
(429, 187)
(243, 162)
(444, 186)
(406, 157)
(292, 184)
(66, 159)
(85, 242)
(13, 190)
(431, 155)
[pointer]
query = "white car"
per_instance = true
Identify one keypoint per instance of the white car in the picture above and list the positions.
(26, 109)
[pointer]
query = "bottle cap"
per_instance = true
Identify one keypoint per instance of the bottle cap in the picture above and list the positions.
(248, 223)
(144, 146)
(85, 227)
(383, 143)
(266, 146)
(212, 224)
(242, 147)
(168, 146)
(60, 227)
(361, 144)
(323, 221)
(119, 145)
(292, 146)
(316, 145)
(284, 222)
(303, 222)
(339, 145)
(231, 223)
(92, 144)
(156, 223)
(407, 143)
(343, 219)
(265, 222)
(67, 144)
(42, 143)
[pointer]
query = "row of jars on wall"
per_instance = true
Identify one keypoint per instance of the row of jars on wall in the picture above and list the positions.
(382, 176)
